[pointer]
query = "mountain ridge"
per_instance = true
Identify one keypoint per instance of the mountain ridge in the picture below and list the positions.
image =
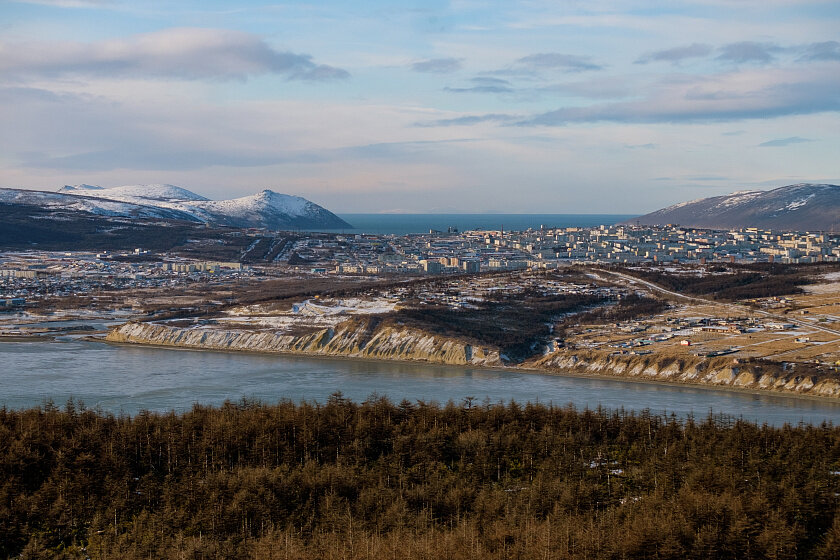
(798, 207)
(266, 209)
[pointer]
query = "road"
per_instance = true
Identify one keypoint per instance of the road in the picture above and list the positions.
(737, 308)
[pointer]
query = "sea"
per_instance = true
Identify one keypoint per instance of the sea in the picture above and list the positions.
(403, 224)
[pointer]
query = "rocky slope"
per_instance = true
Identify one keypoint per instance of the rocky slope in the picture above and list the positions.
(802, 207)
(349, 339)
(721, 372)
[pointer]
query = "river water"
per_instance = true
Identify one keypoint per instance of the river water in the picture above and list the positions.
(132, 378)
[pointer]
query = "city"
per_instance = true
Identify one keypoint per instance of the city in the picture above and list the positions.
(34, 274)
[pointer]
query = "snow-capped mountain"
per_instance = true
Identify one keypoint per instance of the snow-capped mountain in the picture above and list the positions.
(266, 209)
(133, 193)
(99, 206)
(801, 207)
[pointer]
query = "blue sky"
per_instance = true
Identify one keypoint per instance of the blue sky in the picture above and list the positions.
(434, 106)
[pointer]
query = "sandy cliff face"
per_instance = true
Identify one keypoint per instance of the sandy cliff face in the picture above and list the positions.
(718, 371)
(350, 339)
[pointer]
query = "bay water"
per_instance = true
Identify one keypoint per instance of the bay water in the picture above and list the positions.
(402, 224)
(128, 379)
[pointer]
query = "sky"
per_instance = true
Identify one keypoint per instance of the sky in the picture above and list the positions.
(426, 106)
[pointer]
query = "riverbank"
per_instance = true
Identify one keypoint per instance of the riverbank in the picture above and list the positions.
(351, 340)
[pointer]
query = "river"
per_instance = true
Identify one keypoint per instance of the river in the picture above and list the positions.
(127, 379)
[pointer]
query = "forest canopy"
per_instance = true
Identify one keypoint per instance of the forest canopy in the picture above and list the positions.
(412, 480)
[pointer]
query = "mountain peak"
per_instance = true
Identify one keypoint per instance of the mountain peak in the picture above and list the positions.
(799, 207)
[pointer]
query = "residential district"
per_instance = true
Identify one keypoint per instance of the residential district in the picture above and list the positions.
(32, 274)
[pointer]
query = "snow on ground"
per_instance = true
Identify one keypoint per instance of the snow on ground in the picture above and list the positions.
(248, 205)
(738, 197)
(830, 284)
(169, 201)
(797, 203)
(308, 313)
(134, 193)
(353, 306)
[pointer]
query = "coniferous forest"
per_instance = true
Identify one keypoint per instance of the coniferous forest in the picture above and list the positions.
(412, 480)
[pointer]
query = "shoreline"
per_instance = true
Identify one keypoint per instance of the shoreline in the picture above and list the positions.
(508, 369)
(27, 338)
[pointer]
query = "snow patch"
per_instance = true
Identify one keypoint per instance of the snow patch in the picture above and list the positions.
(796, 204)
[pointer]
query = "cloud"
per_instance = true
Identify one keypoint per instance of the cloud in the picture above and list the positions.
(484, 85)
(393, 150)
(154, 131)
(648, 146)
(781, 142)
(727, 97)
(149, 156)
(759, 94)
(749, 51)
(437, 65)
(557, 61)
(469, 120)
(676, 54)
(829, 50)
(177, 53)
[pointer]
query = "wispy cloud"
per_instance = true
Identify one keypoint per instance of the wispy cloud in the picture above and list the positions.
(437, 65)
(749, 51)
(781, 142)
(677, 54)
(557, 61)
(758, 94)
(484, 85)
(828, 50)
(728, 97)
(469, 120)
(176, 53)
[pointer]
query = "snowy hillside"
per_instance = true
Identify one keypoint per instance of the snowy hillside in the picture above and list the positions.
(266, 209)
(130, 193)
(98, 206)
(283, 210)
(800, 207)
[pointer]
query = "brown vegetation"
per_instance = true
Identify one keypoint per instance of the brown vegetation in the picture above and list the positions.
(629, 308)
(736, 282)
(518, 325)
(378, 480)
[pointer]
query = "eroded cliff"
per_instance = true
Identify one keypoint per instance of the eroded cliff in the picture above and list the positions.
(725, 372)
(353, 339)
